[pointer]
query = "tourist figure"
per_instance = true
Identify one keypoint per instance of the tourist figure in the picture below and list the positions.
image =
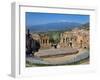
(55, 46)
(58, 46)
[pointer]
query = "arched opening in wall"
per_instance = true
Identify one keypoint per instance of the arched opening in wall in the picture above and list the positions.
(63, 40)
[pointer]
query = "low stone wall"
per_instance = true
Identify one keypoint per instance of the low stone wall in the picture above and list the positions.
(56, 52)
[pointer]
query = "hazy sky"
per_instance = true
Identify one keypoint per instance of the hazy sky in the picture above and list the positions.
(44, 18)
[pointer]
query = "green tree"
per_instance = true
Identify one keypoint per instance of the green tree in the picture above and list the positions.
(54, 37)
